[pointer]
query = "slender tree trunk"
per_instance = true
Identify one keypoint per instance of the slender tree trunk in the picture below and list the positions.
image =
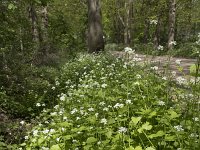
(146, 31)
(156, 40)
(172, 19)
(95, 31)
(34, 26)
(128, 21)
(44, 30)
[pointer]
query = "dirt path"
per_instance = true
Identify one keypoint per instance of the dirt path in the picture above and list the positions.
(162, 61)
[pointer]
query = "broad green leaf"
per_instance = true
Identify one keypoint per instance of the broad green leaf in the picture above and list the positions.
(135, 120)
(138, 148)
(109, 134)
(172, 114)
(150, 148)
(170, 138)
(55, 147)
(158, 134)
(130, 148)
(91, 140)
(147, 126)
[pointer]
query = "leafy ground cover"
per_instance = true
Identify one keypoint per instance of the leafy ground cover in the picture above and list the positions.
(108, 103)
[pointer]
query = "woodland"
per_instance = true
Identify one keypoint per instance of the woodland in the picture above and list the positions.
(85, 74)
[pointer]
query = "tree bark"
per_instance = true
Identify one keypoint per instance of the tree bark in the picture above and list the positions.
(95, 31)
(128, 21)
(34, 26)
(172, 18)
(44, 29)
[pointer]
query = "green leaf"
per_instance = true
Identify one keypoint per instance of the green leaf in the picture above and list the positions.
(138, 148)
(109, 134)
(173, 114)
(147, 126)
(158, 134)
(135, 120)
(170, 138)
(11, 6)
(130, 148)
(91, 140)
(150, 148)
(55, 147)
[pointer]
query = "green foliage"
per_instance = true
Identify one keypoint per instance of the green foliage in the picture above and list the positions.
(109, 103)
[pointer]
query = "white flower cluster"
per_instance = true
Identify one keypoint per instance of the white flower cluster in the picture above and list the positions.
(178, 61)
(179, 128)
(181, 80)
(118, 105)
(155, 22)
(160, 47)
(122, 130)
(129, 50)
(173, 43)
(198, 41)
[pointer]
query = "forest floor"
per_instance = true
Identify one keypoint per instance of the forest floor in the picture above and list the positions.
(162, 62)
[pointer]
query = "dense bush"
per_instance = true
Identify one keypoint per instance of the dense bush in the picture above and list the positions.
(106, 103)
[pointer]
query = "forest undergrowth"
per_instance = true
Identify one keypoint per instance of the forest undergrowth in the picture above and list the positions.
(115, 103)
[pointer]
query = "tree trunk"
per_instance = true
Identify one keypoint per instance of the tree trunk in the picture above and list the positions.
(156, 40)
(95, 31)
(44, 29)
(34, 26)
(172, 18)
(128, 21)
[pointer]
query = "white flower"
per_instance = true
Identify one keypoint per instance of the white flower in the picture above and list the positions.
(102, 103)
(164, 78)
(138, 76)
(45, 148)
(122, 130)
(104, 85)
(178, 61)
(154, 68)
(74, 141)
(105, 109)
(96, 114)
(26, 137)
(99, 142)
(173, 73)
(53, 88)
(181, 80)
(57, 83)
(179, 128)
(129, 50)
(91, 109)
(194, 135)
(172, 43)
(38, 104)
(161, 103)
(52, 131)
(65, 118)
(154, 22)
(43, 105)
(35, 133)
(62, 98)
(22, 122)
(160, 47)
(74, 111)
(195, 119)
(104, 121)
(63, 129)
(118, 105)
(53, 113)
(56, 107)
(128, 101)
(78, 118)
(45, 131)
